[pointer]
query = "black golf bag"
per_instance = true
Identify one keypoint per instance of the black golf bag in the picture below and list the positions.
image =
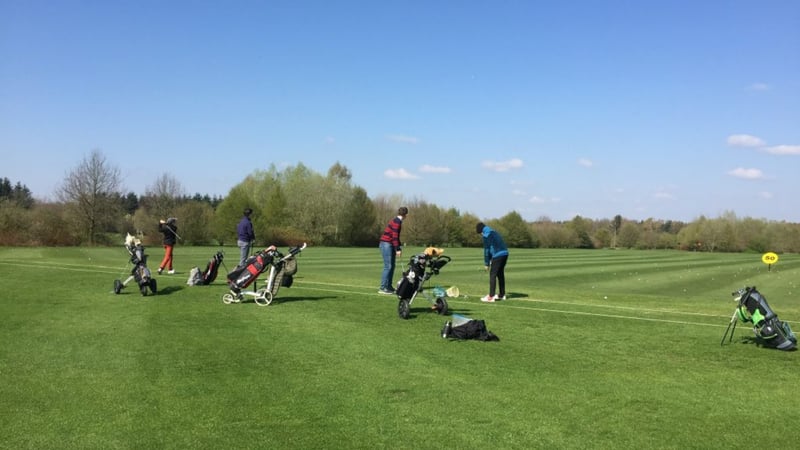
(241, 277)
(421, 268)
(281, 270)
(139, 271)
(752, 307)
(463, 328)
(209, 274)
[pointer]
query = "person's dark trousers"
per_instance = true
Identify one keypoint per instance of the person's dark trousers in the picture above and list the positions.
(497, 275)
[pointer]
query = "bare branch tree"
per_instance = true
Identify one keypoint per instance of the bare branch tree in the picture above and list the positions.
(92, 191)
(164, 195)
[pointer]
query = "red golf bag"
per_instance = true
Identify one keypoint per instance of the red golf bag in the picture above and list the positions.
(241, 277)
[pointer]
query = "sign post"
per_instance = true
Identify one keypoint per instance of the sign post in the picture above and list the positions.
(769, 259)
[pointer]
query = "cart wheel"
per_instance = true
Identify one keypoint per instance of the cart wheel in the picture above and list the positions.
(441, 306)
(228, 298)
(404, 309)
(153, 286)
(117, 286)
(264, 297)
(143, 289)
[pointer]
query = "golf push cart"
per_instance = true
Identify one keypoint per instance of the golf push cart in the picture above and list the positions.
(752, 307)
(281, 273)
(420, 269)
(139, 270)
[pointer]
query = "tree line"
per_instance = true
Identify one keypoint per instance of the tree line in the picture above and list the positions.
(297, 204)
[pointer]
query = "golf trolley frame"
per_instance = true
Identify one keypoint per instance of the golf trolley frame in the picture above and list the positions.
(139, 270)
(265, 295)
(420, 269)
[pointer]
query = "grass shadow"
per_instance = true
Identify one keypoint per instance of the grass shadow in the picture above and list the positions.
(167, 290)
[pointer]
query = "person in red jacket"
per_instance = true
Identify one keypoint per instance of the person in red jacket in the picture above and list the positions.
(391, 248)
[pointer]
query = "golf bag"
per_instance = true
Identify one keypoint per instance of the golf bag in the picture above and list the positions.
(421, 268)
(281, 274)
(465, 328)
(752, 307)
(208, 275)
(241, 277)
(139, 271)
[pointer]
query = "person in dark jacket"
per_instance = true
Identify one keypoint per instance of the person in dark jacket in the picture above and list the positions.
(245, 236)
(391, 248)
(169, 229)
(495, 256)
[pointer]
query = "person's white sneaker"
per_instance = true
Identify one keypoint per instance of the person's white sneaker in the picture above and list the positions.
(488, 299)
(500, 298)
(171, 272)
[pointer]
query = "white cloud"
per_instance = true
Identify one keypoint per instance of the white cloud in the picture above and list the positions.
(433, 169)
(783, 150)
(503, 166)
(766, 195)
(585, 162)
(403, 139)
(664, 196)
(399, 174)
(540, 200)
(518, 192)
(747, 174)
(537, 200)
(759, 87)
(745, 140)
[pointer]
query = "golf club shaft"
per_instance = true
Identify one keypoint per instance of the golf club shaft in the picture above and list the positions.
(174, 232)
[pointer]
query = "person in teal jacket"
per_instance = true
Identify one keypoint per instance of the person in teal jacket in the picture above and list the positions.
(495, 256)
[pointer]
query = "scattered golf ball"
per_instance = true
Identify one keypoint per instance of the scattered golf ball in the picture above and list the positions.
(605, 297)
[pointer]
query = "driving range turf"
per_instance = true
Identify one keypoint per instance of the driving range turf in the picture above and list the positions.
(598, 349)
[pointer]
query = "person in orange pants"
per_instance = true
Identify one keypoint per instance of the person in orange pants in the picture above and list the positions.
(170, 230)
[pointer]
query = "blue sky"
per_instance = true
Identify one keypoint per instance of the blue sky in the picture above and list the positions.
(662, 109)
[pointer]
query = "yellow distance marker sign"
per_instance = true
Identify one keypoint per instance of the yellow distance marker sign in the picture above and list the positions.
(769, 259)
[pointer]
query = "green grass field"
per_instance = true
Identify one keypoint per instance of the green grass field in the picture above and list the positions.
(598, 349)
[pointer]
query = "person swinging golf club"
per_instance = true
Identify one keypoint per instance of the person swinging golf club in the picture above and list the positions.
(169, 229)
(495, 256)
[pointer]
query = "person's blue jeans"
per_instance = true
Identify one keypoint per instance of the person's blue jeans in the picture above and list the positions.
(244, 251)
(389, 256)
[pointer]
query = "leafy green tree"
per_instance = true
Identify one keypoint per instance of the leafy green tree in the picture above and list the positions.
(554, 235)
(617, 224)
(629, 235)
(603, 237)
(316, 203)
(14, 224)
(755, 231)
(47, 225)
(196, 219)
(453, 229)
(470, 238)
(130, 203)
(581, 227)
(229, 213)
(688, 237)
(18, 193)
(425, 226)
(516, 232)
(360, 223)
